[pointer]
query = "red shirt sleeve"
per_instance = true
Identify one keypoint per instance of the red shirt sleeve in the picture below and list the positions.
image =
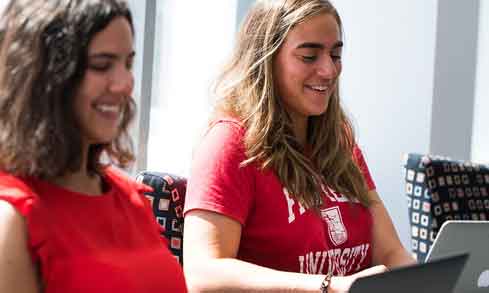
(19, 194)
(217, 182)
(360, 160)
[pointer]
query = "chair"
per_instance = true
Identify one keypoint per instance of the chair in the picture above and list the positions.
(167, 200)
(440, 189)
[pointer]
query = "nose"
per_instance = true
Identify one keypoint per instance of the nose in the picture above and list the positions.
(328, 68)
(122, 82)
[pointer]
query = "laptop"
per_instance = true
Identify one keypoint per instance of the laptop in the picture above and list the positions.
(466, 236)
(439, 275)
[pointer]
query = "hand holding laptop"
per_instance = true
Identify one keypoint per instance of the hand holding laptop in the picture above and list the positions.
(342, 284)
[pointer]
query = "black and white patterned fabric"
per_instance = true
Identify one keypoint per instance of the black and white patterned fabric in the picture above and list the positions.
(440, 189)
(167, 200)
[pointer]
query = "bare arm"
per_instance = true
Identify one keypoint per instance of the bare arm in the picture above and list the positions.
(210, 249)
(386, 246)
(16, 269)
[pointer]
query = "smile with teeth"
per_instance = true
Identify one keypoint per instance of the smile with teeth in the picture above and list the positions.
(105, 108)
(319, 88)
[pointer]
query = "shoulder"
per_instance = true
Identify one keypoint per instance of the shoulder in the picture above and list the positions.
(358, 156)
(11, 182)
(362, 164)
(117, 178)
(223, 142)
(227, 129)
(16, 202)
(21, 275)
(12, 220)
(18, 192)
(9, 214)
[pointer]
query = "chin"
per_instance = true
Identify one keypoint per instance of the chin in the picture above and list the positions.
(318, 112)
(103, 139)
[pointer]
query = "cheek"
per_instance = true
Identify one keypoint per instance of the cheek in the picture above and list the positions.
(80, 108)
(83, 98)
(81, 101)
(297, 69)
(289, 74)
(95, 82)
(295, 74)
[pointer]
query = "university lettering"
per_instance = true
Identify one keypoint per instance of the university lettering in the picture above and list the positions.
(338, 261)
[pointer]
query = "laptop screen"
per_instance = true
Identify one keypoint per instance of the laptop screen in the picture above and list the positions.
(466, 236)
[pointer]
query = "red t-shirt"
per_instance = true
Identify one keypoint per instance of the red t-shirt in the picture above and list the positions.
(105, 243)
(277, 232)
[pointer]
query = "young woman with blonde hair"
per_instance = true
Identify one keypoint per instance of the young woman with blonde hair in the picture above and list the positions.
(279, 197)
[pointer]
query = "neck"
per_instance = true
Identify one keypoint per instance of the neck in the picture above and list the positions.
(81, 181)
(300, 129)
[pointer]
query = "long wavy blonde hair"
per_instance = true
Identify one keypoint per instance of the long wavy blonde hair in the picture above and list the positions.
(246, 91)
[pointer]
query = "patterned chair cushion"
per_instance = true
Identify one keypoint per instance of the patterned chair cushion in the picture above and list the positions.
(440, 189)
(167, 200)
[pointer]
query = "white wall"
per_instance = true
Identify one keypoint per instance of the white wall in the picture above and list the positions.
(480, 138)
(387, 86)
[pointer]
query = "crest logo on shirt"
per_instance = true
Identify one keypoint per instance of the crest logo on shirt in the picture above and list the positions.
(336, 228)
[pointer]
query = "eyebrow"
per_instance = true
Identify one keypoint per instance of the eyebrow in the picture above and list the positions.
(109, 55)
(311, 45)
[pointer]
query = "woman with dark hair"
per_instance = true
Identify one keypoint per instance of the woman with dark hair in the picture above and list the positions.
(70, 222)
(280, 198)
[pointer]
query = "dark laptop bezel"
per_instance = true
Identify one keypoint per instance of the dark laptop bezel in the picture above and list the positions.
(439, 275)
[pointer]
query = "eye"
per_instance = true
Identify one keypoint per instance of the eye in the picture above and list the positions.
(335, 58)
(101, 67)
(309, 58)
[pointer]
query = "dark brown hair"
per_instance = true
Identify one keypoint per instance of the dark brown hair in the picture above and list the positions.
(43, 52)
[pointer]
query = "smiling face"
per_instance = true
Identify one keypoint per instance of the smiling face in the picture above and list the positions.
(307, 66)
(107, 83)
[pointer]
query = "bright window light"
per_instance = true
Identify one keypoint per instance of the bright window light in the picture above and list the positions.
(193, 39)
